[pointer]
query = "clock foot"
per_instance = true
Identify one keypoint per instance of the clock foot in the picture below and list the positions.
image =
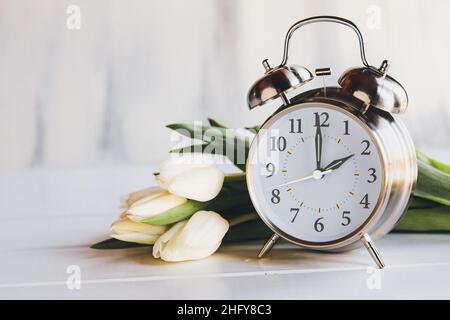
(269, 244)
(368, 243)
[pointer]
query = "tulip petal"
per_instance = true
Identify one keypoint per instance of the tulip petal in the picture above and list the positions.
(123, 215)
(201, 184)
(171, 168)
(163, 240)
(197, 181)
(124, 226)
(204, 228)
(152, 206)
(136, 237)
(176, 254)
(131, 198)
(130, 231)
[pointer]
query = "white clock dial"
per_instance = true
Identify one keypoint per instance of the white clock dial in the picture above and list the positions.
(315, 173)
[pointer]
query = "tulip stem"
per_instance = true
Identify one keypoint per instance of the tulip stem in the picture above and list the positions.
(235, 177)
(243, 218)
(227, 199)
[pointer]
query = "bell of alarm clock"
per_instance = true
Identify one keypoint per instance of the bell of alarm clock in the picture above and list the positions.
(372, 166)
(276, 83)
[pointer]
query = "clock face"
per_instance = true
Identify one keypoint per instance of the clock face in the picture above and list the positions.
(315, 173)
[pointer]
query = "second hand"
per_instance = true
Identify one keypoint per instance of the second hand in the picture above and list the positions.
(317, 175)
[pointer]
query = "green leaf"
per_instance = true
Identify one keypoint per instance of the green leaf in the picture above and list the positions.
(112, 243)
(254, 129)
(218, 141)
(421, 203)
(195, 148)
(432, 162)
(211, 148)
(193, 131)
(215, 123)
(425, 220)
(432, 183)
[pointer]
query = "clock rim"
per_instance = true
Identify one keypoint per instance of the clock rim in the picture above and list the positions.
(356, 234)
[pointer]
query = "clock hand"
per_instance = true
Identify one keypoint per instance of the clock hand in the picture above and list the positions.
(296, 180)
(335, 164)
(317, 174)
(318, 142)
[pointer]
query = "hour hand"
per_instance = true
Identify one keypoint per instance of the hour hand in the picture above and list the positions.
(335, 164)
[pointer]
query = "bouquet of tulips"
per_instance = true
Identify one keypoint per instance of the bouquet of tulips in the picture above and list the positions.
(196, 206)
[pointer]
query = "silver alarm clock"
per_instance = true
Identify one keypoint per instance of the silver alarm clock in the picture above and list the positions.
(333, 168)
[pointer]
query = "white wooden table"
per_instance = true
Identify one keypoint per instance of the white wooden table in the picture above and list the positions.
(50, 217)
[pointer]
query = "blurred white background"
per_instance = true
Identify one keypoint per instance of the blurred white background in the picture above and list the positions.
(102, 94)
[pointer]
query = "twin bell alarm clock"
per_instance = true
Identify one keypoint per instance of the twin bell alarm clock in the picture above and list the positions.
(333, 168)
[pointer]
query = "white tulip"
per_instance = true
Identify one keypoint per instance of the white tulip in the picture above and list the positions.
(201, 182)
(130, 231)
(154, 202)
(192, 239)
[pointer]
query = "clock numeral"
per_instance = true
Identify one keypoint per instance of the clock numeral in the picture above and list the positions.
(366, 150)
(318, 226)
(322, 119)
(346, 133)
(296, 126)
(270, 167)
(275, 196)
(277, 144)
(365, 201)
(296, 210)
(346, 218)
(372, 175)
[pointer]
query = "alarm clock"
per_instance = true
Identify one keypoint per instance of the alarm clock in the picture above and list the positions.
(333, 168)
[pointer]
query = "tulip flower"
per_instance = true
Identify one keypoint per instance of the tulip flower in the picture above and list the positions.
(130, 231)
(200, 182)
(151, 202)
(192, 239)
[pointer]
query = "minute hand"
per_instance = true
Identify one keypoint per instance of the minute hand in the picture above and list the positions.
(318, 144)
(335, 164)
